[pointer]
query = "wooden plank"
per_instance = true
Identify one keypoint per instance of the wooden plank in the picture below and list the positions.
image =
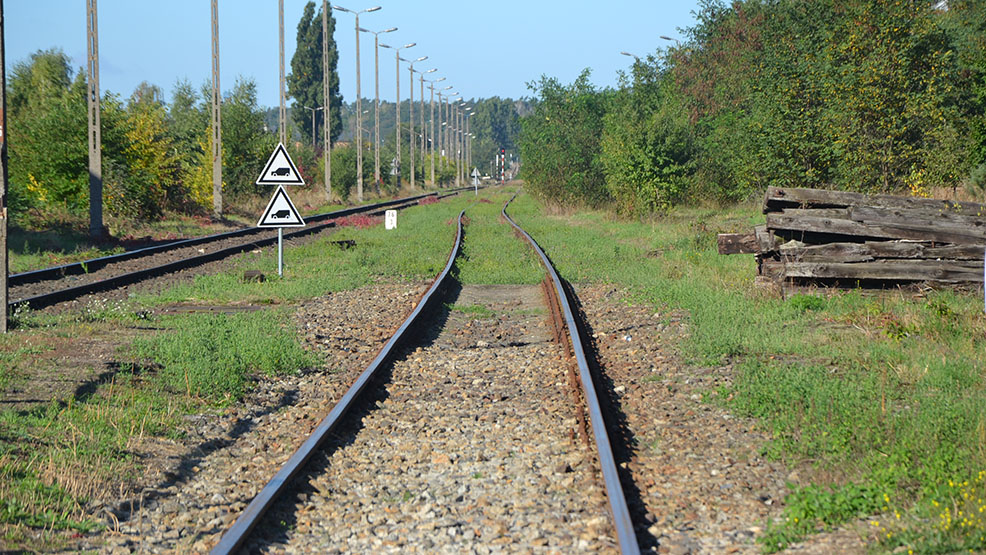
(897, 270)
(778, 198)
(737, 243)
(927, 219)
(855, 231)
(765, 239)
(864, 252)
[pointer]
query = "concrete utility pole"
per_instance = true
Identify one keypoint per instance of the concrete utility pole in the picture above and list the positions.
(4, 293)
(359, 105)
(423, 144)
(410, 121)
(431, 135)
(95, 133)
(217, 128)
(282, 114)
(397, 117)
(376, 102)
(327, 103)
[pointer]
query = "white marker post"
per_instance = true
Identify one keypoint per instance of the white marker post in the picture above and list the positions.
(280, 213)
(390, 219)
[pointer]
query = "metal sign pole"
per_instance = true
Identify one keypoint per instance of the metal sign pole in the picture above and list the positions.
(280, 251)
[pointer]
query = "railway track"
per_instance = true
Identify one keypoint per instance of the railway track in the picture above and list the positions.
(46, 287)
(493, 439)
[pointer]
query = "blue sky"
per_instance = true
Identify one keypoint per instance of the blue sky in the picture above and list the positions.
(483, 48)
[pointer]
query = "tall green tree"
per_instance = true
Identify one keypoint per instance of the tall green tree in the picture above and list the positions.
(305, 80)
(560, 141)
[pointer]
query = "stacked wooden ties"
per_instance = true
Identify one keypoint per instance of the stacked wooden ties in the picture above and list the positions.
(836, 238)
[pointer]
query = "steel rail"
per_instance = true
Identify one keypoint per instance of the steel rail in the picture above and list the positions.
(614, 490)
(47, 299)
(251, 515)
(84, 267)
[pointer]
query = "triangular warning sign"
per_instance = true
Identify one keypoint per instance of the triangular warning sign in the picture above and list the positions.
(280, 212)
(280, 170)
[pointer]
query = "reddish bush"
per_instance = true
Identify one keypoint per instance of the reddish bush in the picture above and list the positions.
(428, 200)
(360, 221)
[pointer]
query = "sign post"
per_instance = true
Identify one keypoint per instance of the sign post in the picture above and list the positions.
(280, 212)
(475, 179)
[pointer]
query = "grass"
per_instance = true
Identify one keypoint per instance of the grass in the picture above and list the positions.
(212, 356)
(56, 457)
(884, 396)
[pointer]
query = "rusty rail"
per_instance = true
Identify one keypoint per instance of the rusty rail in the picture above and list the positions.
(614, 490)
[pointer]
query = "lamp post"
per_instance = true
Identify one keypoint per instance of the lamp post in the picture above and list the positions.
(468, 136)
(376, 100)
(444, 128)
(313, 110)
(431, 136)
(359, 105)
(410, 120)
(422, 79)
(327, 99)
(397, 118)
(450, 130)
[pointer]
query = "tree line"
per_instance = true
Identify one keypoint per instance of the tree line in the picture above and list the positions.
(864, 95)
(157, 154)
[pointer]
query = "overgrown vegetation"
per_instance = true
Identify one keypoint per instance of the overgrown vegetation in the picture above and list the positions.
(882, 96)
(883, 396)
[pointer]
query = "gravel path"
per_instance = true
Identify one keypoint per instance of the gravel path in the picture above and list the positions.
(469, 449)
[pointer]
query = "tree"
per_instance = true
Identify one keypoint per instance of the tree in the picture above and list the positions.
(560, 142)
(305, 80)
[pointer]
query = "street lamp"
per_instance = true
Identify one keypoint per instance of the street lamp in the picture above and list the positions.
(376, 100)
(422, 78)
(397, 119)
(431, 136)
(443, 118)
(634, 56)
(359, 105)
(313, 110)
(410, 120)
(451, 129)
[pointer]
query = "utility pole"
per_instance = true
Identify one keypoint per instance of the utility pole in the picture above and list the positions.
(282, 114)
(376, 102)
(432, 134)
(95, 133)
(217, 133)
(359, 105)
(397, 117)
(410, 120)
(4, 293)
(326, 102)
(422, 97)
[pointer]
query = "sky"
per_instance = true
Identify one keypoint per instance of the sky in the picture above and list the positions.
(483, 49)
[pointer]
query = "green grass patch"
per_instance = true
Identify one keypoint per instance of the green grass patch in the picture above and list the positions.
(474, 310)
(214, 355)
(491, 254)
(884, 395)
(55, 457)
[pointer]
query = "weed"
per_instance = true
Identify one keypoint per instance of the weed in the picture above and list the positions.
(213, 355)
(474, 310)
(805, 303)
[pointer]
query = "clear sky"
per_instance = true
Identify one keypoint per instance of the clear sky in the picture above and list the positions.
(483, 48)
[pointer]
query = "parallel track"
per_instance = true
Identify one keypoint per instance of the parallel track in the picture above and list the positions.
(315, 223)
(238, 533)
